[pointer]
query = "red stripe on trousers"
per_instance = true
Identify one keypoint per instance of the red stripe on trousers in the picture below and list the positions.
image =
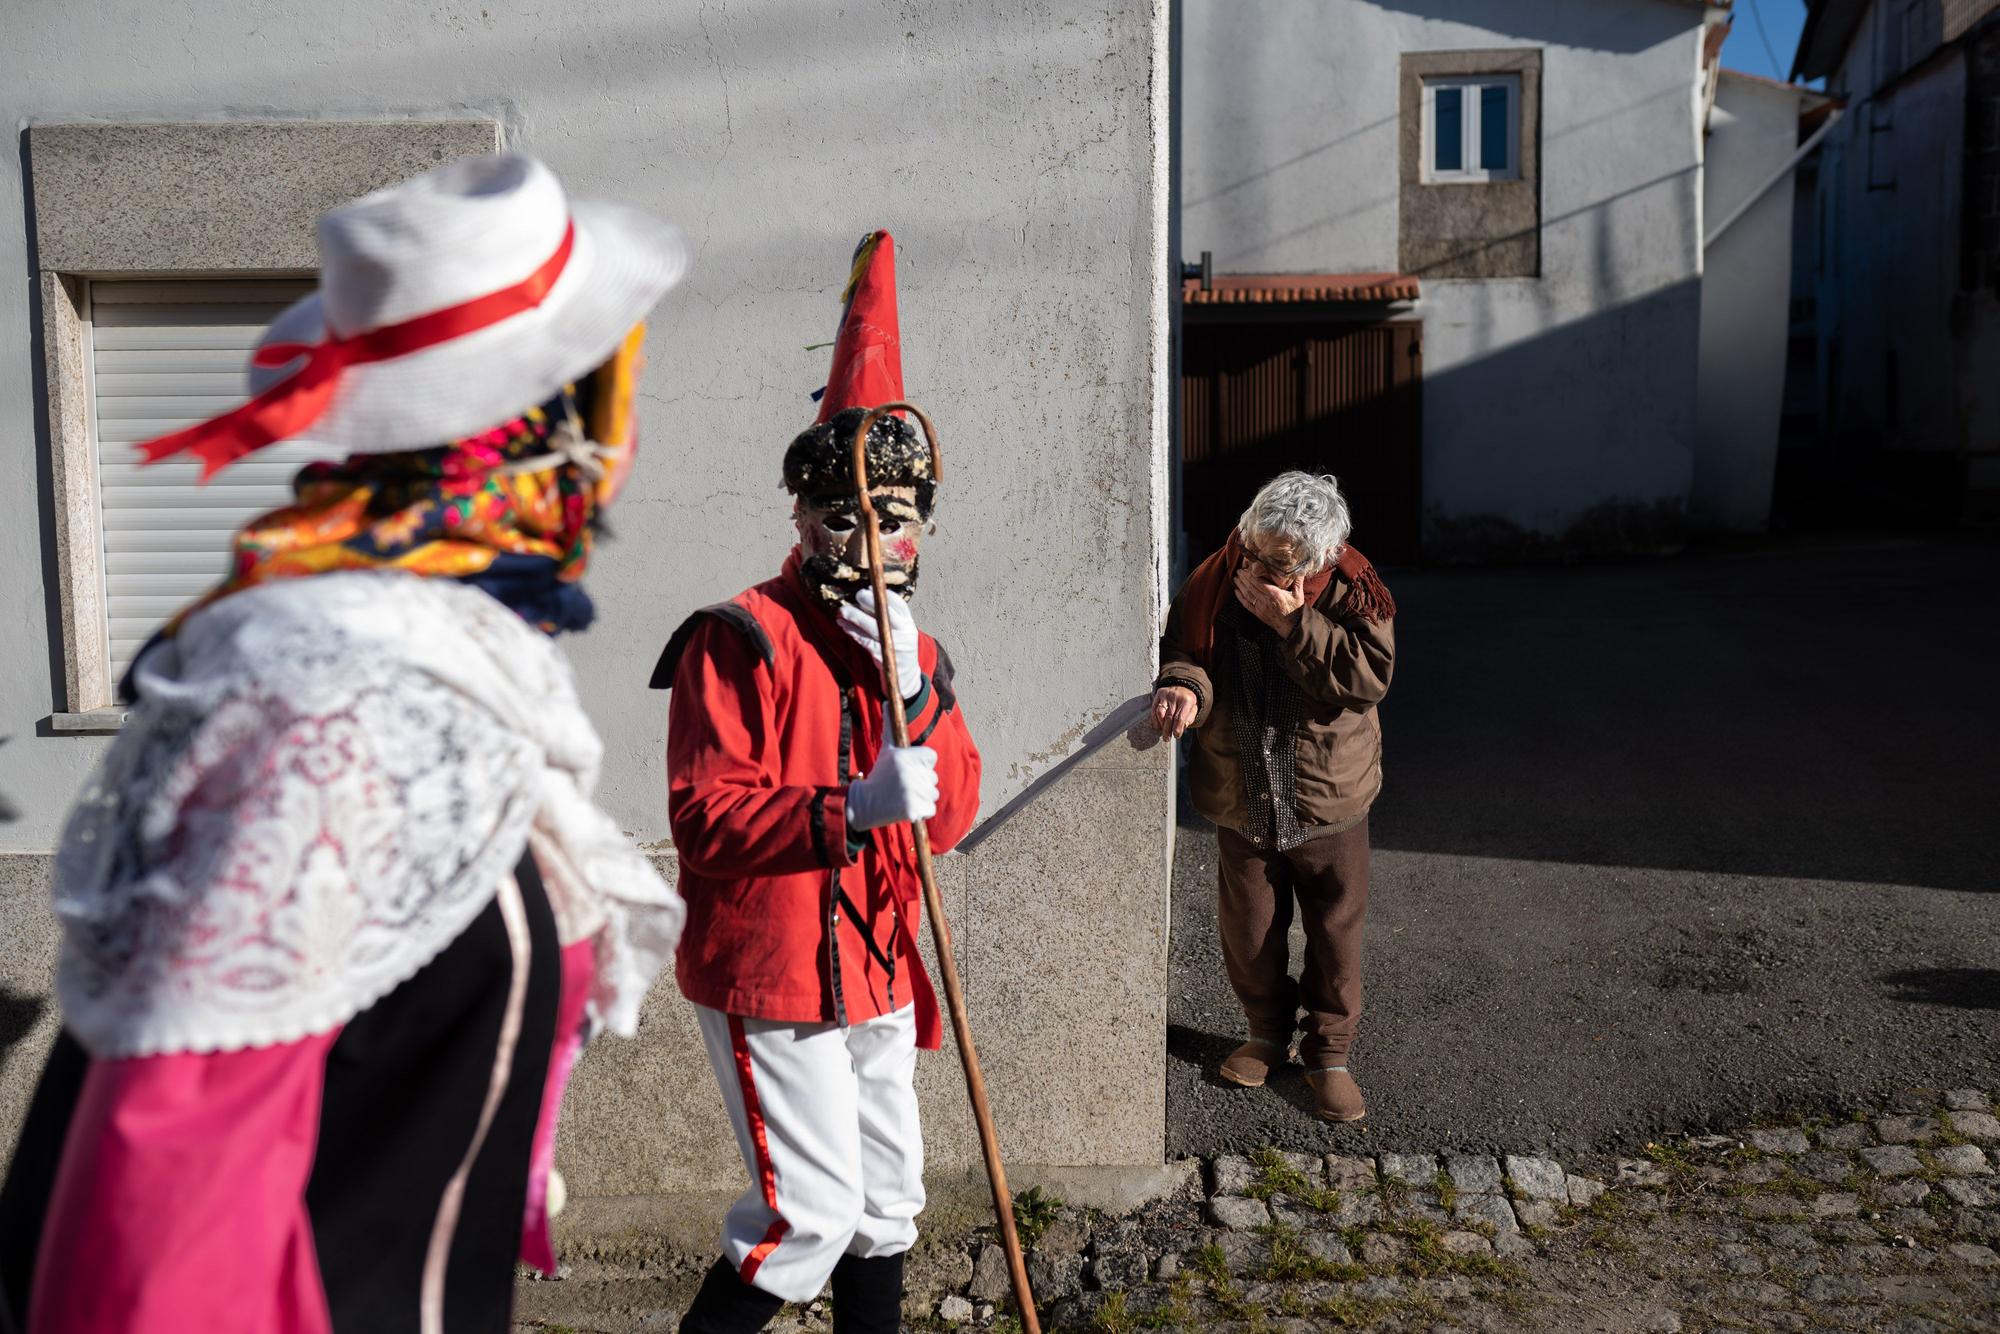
(767, 1173)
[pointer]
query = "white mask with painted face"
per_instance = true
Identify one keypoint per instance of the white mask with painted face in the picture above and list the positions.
(833, 544)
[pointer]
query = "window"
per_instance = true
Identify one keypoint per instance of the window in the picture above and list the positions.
(163, 355)
(157, 272)
(1469, 118)
(1472, 128)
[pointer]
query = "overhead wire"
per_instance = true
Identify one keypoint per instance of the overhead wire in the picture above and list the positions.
(1757, 17)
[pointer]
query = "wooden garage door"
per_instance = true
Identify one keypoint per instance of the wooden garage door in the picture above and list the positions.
(1259, 399)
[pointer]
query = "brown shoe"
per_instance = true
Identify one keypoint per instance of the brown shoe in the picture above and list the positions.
(1250, 1064)
(1336, 1097)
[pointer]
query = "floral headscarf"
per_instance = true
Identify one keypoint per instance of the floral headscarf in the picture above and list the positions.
(469, 510)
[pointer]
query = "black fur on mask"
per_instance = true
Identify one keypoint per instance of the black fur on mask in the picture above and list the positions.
(819, 464)
(819, 470)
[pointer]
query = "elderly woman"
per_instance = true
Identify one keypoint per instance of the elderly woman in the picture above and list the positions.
(1277, 651)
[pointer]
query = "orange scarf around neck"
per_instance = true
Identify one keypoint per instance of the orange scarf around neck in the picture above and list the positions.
(1213, 583)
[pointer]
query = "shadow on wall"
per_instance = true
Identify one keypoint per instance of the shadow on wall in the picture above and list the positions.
(1577, 441)
(1595, 216)
(1605, 272)
(1297, 160)
(1811, 713)
(1625, 29)
(1609, 528)
(1250, 257)
(1588, 423)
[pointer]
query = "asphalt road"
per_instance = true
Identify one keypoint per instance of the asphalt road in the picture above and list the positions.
(1663, 846)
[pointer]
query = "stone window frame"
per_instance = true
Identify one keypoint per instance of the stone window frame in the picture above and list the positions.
(1470, 228)
(172, 200)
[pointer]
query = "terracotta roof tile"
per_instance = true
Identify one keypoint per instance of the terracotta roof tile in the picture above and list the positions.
(1281, 288)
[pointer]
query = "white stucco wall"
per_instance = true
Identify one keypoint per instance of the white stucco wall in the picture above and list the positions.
(1544, 398)
(1019, 154)
(1010, 152)
(1745, 303)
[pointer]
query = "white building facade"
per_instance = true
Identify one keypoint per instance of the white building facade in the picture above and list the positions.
(1749, 201)
(1536, 168)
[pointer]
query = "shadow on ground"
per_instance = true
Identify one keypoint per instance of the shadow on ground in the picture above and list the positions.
(1663, 846)
(1826, 713)
(1969, 988)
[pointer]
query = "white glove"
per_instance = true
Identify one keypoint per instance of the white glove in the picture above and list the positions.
(903, 786)
(857, 618)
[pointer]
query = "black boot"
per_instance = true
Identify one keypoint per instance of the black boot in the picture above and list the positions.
(868, 1295)
(728, 1305)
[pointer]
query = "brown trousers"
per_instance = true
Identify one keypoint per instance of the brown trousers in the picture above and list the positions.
(1329, 878)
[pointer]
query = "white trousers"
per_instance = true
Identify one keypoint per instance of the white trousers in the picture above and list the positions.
(826, 1118)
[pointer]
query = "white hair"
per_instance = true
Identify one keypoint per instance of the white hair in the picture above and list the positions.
(1304, 509)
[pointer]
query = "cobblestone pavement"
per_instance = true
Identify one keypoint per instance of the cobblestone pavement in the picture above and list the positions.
(1886, 1221)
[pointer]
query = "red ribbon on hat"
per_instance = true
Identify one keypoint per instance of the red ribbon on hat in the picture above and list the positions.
(288, 407)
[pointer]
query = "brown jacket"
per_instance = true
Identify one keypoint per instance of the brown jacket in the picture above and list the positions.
(1342, 666)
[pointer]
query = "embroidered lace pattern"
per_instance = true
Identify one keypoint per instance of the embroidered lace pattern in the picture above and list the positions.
(323, 784)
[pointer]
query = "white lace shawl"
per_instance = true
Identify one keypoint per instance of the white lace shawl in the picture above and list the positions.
(322, 785)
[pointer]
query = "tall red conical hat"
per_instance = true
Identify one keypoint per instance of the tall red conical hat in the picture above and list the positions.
(868, 351)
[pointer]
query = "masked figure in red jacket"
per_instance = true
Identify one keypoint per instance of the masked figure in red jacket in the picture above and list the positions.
(790, 816)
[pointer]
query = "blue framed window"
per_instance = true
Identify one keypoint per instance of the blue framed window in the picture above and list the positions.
(1472, 128)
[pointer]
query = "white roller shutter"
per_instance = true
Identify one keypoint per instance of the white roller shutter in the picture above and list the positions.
(165, 355)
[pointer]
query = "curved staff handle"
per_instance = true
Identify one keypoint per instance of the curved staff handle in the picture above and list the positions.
(899, 723)
(975, 1083)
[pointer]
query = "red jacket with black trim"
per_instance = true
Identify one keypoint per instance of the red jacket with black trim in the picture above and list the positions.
(790, 915)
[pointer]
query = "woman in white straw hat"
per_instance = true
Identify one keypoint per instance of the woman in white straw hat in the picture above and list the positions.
(338, 910)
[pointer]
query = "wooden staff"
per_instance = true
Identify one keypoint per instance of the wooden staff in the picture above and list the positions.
(975, 1083)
